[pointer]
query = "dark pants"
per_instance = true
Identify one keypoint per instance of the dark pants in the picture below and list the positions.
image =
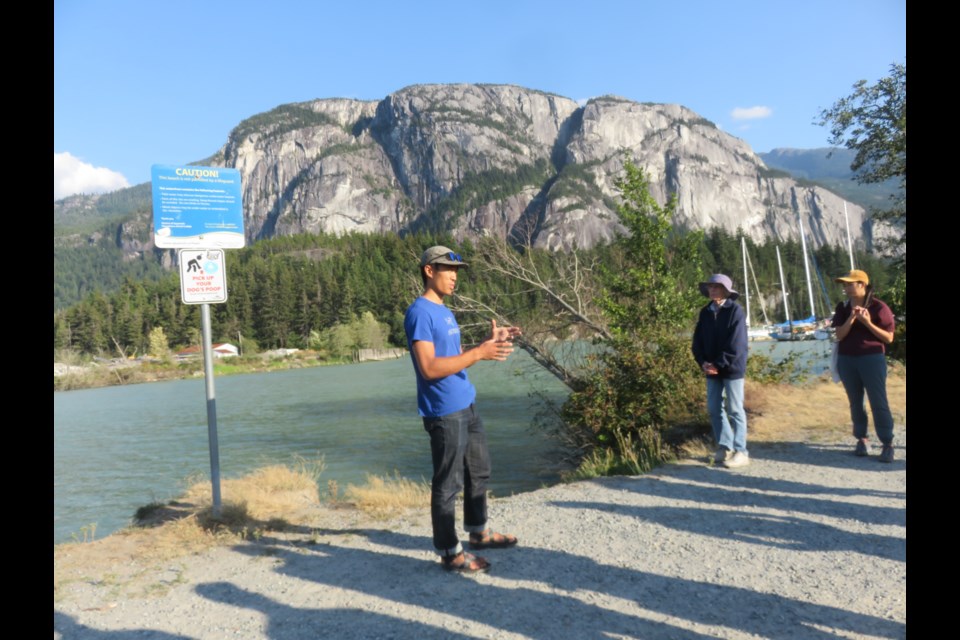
(461, 461)
(867, 373)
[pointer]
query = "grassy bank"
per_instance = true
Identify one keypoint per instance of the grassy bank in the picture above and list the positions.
(272, 501)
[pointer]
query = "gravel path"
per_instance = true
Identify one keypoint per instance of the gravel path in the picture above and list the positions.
(807, 542)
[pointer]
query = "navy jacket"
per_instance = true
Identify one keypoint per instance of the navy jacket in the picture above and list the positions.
(721, 338)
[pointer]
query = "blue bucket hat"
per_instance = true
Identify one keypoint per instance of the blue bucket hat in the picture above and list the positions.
(719, 278)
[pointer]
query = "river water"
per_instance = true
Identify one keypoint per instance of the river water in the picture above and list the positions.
(119, 448)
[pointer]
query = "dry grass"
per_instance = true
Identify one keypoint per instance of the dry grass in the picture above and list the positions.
(267, 494)
(268, 499)
(381, 495)
(816, 411)
(698, 447)
(811, 412)
(126, 558)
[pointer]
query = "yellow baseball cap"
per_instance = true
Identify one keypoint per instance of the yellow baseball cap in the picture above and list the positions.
(855, 276)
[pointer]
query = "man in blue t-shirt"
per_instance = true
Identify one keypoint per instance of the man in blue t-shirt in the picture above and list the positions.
(445, 400)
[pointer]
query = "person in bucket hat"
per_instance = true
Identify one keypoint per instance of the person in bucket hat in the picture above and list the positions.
(445, 401)
(864, 327)
(720, 348)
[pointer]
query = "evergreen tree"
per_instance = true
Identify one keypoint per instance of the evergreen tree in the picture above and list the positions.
(873, 122)
(643, 380)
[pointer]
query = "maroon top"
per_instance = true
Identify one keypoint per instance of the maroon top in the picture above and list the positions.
(861, 341)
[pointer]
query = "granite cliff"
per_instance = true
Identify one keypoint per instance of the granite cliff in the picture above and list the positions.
(509, 161)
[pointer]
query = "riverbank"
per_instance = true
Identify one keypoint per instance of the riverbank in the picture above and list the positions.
(68, 376)
(806, 542)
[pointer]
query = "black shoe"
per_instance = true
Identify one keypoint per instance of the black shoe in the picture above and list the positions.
(861, 449)
(886, 455)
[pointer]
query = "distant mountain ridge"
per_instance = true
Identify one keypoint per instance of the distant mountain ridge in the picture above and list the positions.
(830, 167)
(812, 164)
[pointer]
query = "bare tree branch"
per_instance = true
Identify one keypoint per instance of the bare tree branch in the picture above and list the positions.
(570, 289)
(539, 354)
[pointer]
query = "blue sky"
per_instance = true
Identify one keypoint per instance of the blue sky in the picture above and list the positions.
(143, 83)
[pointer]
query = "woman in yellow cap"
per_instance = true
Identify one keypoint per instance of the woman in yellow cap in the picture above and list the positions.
(865, 327)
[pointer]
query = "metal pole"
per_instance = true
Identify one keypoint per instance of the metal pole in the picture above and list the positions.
(211, 408)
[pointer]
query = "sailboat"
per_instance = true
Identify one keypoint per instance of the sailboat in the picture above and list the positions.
(761, 333)
(808, 328)
(791, 329)
(826, 331)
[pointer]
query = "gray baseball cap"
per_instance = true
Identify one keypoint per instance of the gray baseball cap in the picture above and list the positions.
(441, 255)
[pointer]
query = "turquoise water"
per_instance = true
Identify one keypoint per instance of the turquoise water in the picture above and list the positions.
(813, 358)
(119, 448)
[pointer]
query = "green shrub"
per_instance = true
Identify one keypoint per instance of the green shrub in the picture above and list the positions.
(643, 379)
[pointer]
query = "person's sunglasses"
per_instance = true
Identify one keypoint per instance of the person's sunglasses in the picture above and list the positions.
(455, 256)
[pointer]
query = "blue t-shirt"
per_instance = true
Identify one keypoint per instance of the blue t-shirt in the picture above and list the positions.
(431, 322)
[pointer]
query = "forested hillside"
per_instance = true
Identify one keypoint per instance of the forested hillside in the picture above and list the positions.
(90, 252)
(296, 291)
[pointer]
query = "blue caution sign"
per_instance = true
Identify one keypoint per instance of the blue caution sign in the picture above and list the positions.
(197, 207)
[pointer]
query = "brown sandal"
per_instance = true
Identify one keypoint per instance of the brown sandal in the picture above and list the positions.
(469, 563)
(492, 540)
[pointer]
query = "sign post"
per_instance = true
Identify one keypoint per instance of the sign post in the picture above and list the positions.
(199, 211)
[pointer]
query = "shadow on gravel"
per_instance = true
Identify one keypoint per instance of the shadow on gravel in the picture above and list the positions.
(705, 486)
(781, 531)
(709, 475)
(835, 456)
(284, 621)
(70, 629)
(527, 594)
(424, 584)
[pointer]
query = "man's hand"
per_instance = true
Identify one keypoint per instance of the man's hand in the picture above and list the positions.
(500, 343)
(502, 334)
(709, 368)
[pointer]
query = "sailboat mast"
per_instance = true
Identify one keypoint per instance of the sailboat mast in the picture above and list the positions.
(806, 268)
(756, 285)
(783, 285)
(849, 242)
(746, 285)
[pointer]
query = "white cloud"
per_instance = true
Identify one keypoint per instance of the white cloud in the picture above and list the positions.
(751, 113)
(71, 175)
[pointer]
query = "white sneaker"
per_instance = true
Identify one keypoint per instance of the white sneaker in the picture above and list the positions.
(721, 455)
(738, 459)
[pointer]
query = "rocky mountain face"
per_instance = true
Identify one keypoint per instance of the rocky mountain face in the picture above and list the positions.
(511, 162)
